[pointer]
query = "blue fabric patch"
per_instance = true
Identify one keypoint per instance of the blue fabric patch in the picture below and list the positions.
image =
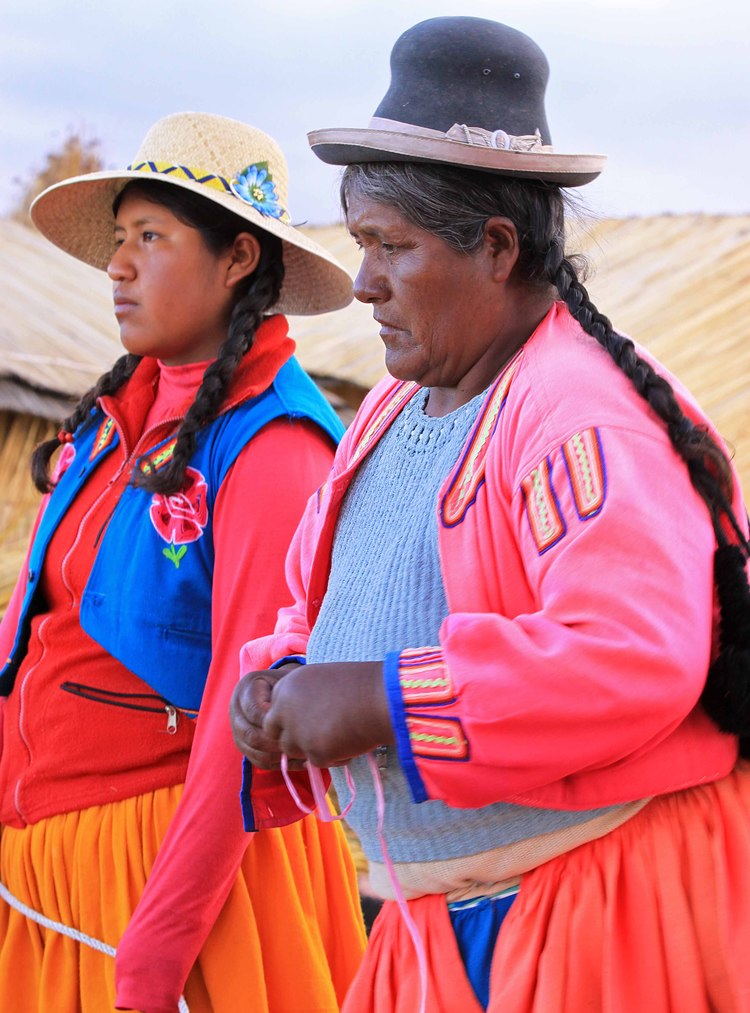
(476, 924)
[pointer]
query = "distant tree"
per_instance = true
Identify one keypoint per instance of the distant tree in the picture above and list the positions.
(75, 156)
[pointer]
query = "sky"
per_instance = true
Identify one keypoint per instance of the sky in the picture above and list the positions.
(662, 87)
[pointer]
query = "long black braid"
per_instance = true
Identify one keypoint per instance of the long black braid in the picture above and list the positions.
(259, 292)
(454, 204)
(110, 382)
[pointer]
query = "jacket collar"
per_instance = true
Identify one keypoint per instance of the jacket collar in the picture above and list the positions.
(256, 372)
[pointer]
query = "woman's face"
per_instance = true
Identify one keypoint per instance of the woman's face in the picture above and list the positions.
(440, 311)
(171, 293)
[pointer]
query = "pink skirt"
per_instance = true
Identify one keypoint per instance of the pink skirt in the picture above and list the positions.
(652, 918)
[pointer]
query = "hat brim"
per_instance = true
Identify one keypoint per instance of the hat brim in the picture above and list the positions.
(346, 146)
(77, 216)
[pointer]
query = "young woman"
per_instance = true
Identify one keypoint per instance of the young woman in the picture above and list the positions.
(508, 590)
(160, 543)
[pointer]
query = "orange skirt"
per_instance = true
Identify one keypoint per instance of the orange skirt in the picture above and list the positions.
(289, 937)
(653, 917)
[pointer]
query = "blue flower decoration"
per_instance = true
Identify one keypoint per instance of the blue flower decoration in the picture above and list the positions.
(255, 186)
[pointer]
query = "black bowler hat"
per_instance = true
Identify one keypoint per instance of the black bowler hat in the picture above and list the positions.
(464, 91)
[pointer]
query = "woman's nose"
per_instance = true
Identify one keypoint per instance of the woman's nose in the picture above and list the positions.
(369, 286)
(120, 265)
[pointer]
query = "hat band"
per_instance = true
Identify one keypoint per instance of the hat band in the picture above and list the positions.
(498, 139)
(480, 137)
(184, 172)
(253, 186)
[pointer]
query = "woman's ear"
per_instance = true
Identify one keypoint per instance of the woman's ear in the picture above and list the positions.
(244, 258)
(502, 245)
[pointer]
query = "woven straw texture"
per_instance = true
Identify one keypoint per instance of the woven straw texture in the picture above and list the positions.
(76, 215)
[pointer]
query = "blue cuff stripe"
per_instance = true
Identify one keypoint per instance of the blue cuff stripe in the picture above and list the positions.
(398, 720)
(300, 659)
(248, 816)
(246, 797)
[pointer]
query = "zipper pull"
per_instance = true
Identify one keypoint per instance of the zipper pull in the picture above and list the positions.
(171, 719)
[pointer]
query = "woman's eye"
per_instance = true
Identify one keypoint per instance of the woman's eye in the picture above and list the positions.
(388, 247)
(149, 237)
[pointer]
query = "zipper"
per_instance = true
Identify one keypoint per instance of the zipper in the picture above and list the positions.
(24, 739)
(152, 703)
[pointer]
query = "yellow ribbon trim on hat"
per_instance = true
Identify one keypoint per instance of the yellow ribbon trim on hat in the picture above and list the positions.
(184, 172)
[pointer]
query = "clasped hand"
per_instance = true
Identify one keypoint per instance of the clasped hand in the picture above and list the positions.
(326, 714)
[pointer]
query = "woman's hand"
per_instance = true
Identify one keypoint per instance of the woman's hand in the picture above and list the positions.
(248, 707)
(322, 713)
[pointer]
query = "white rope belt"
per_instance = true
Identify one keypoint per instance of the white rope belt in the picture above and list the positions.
(65, 930)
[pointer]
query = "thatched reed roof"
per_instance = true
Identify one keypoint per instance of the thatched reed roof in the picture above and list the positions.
(679, 284)
(57, 332)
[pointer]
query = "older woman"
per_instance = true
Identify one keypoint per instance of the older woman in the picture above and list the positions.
(506, 589)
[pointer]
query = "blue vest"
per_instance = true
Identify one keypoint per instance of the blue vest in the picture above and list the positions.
(147, 601)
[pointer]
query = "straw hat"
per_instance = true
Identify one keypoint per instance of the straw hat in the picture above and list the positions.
(464, 91)
(228, 162)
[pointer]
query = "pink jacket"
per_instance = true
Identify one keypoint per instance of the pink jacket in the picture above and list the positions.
(577, 562)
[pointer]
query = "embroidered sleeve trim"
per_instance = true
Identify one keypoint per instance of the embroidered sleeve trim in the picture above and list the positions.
(424, 678)
(584, 460)
(401, 731)
(437, 738)
(469, 475)
(542, 508)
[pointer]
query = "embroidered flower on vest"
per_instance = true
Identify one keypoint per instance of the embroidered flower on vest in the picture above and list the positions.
(181, 517)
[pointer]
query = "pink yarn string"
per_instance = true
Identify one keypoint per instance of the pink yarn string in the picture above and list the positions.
(323, 812)
(321, 808)
(400, 899)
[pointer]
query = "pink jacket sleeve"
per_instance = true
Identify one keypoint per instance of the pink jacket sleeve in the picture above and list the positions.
(603, 645)
(257, 510)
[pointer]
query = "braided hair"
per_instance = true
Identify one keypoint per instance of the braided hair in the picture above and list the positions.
(256, 295)
(454, 204)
